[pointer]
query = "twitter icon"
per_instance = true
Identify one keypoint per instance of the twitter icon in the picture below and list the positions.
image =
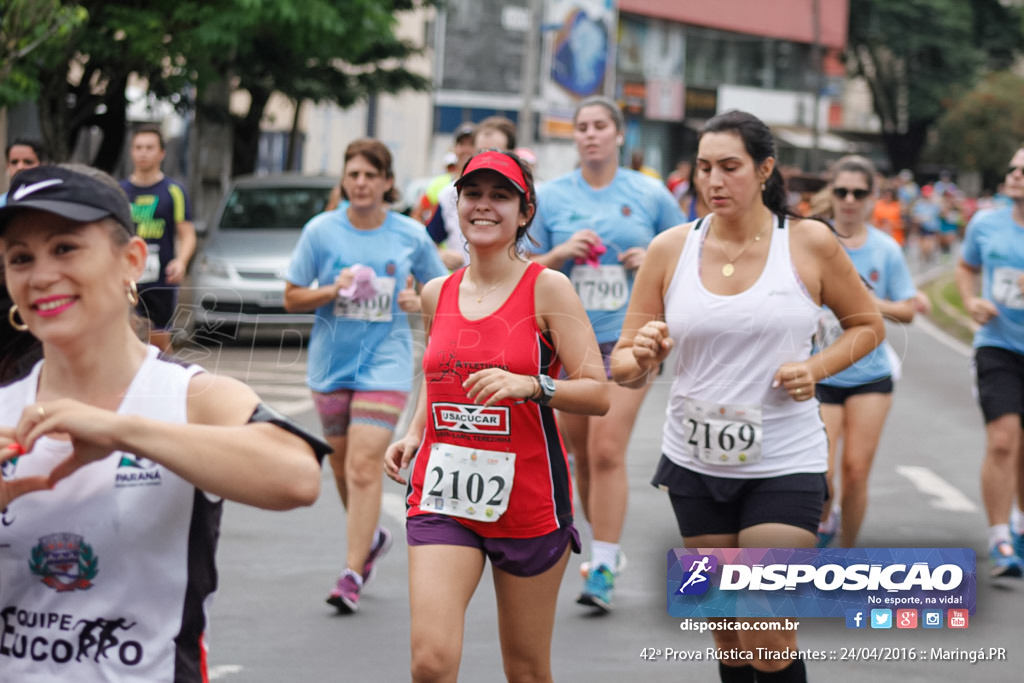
(881, 618)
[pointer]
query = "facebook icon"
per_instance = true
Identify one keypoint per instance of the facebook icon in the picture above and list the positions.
(855, 618)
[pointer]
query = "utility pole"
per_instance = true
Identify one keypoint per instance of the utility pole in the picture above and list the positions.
(528, 79)
(818, 84)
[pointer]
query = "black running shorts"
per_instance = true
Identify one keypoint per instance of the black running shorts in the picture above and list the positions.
(705, 504)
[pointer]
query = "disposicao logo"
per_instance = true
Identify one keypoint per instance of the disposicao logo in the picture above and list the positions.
(811, 582)
(697, 580)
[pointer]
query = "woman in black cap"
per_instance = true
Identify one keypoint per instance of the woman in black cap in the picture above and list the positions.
(110, 519)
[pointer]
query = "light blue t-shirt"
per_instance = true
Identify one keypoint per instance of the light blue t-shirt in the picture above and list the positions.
(3, 199)
(366, 347)
(627, 213)
(995, 243)
(880, 262)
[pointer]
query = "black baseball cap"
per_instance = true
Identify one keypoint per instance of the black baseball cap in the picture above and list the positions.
(67, 193)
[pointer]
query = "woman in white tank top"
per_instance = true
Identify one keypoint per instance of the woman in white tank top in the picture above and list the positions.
(738, 293)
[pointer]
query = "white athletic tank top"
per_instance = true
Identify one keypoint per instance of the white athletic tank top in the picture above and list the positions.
(107, 576)
(729, 348)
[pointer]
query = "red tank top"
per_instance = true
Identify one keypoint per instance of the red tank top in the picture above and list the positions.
(540, 498)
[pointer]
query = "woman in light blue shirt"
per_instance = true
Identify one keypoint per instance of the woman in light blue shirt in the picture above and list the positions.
(856, 401)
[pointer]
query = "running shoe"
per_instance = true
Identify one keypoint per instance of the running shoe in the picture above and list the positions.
(345, 595)
(620, 564)
(1018, 543)
(381, 545)
(597, 590)
(1005, 562)
(828, 529)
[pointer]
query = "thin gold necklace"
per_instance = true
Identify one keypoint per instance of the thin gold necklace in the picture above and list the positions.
(480, 298)
(729, 268)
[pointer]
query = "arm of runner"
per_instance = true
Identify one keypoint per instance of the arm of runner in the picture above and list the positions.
(577, 246)
(900, 311)
(217, 450)
(303, 299)
(399, 454)
(184, 248)
(585, 388)
(645, 342)
(843, 291)
(968, 283)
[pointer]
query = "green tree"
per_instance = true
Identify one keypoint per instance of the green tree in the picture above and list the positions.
(984, 127)
(339, 50)
(26, 26)
(319, 50)
(914, 54)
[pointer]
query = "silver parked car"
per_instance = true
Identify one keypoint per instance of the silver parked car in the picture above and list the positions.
(238, 278)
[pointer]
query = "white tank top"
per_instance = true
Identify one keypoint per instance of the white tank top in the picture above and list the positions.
(729, 348)
(107, 576)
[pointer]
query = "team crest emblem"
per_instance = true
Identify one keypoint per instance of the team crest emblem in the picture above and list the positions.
(65, 562)
(7, 467)
(626, 211)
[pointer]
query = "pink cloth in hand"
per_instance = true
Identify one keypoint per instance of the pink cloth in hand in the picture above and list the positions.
(593, 259)
(361, 288)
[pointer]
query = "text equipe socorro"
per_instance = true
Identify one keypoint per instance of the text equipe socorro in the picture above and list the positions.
(842, 654)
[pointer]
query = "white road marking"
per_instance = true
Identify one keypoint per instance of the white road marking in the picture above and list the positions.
(223, 670)
(929, 328)
(944, 495)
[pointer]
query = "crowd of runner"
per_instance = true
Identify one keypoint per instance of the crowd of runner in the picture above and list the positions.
(549, 308)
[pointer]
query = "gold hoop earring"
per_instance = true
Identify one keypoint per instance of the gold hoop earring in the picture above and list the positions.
(20, 327)
(133, 293)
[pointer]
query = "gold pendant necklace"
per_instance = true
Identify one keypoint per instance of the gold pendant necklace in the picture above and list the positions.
(729, 268)
(480, 298)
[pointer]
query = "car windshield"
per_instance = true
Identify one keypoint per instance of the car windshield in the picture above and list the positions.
(273, 207)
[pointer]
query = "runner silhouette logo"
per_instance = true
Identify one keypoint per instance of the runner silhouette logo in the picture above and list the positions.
(697, 580)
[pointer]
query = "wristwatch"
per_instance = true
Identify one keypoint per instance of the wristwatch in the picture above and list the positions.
(547, 390)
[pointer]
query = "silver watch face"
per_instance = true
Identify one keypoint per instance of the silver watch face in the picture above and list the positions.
(547, 387)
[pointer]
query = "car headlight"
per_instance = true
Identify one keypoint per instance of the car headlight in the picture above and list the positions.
(215, 268)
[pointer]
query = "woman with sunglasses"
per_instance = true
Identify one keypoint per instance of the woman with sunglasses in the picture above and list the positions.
(491, 479)
(856, 401)
(739, 292)
(594, 224)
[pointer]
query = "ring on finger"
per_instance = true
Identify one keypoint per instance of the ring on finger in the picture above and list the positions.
(42, 412)
(799, 390)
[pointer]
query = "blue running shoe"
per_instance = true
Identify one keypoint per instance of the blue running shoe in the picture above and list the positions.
(1018, 543)
(828, 529)
(620, 564)
(597, 589)
(1005, 562)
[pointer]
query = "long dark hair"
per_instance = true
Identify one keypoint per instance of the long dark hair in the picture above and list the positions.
(760, 145)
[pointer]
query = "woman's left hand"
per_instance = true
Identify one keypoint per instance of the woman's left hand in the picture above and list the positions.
(493, 384)
(795, 378)
(632, 258)
(92, 431)
(16, 486)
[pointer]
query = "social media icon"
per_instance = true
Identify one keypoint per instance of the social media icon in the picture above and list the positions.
(856, 618)
(956, 618)
(906, 618)
(881, 618)
(931, 618)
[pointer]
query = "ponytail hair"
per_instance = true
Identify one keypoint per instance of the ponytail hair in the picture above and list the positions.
(760, 145)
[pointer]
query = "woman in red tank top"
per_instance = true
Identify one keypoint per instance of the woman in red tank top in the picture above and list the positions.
(490, 477)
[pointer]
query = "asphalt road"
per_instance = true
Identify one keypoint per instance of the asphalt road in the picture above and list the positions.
(269, 622)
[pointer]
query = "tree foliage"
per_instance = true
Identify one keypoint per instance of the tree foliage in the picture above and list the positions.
(915, 53)
(25, 27)
(336, 50)
(983, 128)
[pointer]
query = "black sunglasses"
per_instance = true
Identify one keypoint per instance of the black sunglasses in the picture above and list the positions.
(1010, 170)
(842, 192)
